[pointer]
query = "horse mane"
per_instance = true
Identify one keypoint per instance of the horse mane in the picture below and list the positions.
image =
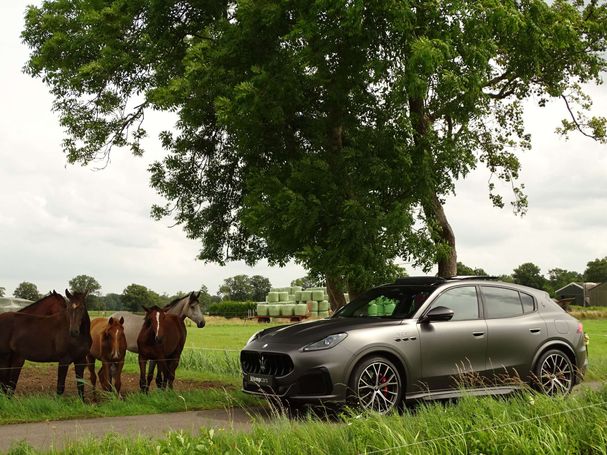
(40, 300)
(173, 303)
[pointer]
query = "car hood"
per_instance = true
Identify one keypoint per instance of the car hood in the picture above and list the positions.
(309, 332)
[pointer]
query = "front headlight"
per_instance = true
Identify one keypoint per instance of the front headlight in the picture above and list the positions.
(326, 343)
(254, 337)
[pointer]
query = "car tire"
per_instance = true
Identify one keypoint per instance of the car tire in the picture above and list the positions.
(554, 373)
(376, 384)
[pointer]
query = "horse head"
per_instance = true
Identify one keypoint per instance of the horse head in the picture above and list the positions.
(154, 319)
(76, 310)
(114, 338)
(193, 310)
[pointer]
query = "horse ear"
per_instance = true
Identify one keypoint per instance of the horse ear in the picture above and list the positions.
(121, 320)
(68, 294)
(147, 310)
(110, 321)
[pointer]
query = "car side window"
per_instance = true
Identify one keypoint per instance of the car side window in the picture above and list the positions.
(501, 302)
(528, 303)
(462, 300)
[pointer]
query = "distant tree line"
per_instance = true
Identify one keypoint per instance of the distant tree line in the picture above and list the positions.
(529, 274)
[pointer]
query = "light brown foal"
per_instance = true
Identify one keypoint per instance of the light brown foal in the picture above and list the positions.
(109, 346)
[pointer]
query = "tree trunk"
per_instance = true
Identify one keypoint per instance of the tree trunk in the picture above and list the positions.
(335, 291)
(447, 261)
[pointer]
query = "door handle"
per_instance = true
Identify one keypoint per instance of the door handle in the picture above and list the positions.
(535, 330)
(478, 334)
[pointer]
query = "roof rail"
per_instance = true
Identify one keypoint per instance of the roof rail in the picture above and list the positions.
(474, 277)
(420, 280)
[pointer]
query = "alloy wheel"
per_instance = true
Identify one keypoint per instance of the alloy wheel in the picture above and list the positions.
(556, 374)
(378, 387)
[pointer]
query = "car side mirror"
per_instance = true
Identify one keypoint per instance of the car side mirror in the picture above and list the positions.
(437, 314)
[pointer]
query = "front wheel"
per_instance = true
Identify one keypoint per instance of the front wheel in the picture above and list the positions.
(376, 385)
(554, 373)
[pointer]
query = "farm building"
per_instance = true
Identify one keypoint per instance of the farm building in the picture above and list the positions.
(12, 304)
(575, 291)
(598, 295)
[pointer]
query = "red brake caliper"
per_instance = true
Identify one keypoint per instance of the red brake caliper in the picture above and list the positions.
(383, 380)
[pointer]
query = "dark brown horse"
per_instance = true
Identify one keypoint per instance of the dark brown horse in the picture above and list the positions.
(109, 346)
(62, 337)
(161, 338)
(47, 305)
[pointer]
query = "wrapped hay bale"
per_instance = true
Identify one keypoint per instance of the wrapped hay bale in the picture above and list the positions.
(274, 310)
(305, 296)
(283, 296)
(295, 289)
(312, 306)
(298, 296)
(272, 297)
(286, 309)
(262, 309)
(318, 295)
(300, 309)
(314, 314)
(323, 314)
(323, 306)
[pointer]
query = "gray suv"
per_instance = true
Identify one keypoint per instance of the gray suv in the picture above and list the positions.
(420, 338)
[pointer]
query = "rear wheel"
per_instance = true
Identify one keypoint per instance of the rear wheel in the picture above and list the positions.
(376, 385)
(554, 372)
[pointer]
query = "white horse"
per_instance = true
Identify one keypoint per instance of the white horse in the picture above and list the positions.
(185, 307)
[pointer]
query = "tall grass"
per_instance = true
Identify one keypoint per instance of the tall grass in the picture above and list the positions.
(524, 424)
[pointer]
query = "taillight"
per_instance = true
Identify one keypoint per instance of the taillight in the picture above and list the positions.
(580, 328)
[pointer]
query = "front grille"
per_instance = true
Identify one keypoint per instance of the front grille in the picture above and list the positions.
(268, 363)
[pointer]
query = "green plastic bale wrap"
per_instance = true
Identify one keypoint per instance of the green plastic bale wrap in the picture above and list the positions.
(262, 309)
(275, 290)
(318, 295)
(314, 314)
(305, 296)
(272, 297)
(286, 309)
(283, 296)
(274, 310)
(323, 314)
(298, 296)
(323, 306)
(312, 306)
(295, 289)
(301, 309)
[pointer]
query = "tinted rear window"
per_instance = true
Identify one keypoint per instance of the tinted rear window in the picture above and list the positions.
(501, 302)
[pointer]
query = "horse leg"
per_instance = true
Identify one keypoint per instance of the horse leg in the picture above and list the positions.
(171, 367)
(104, 376)
(61, 374)
(117, 377)
(90, 360)
(151, 372)
(79, 366)
(16, 363)
(159, 377)
(143, 384)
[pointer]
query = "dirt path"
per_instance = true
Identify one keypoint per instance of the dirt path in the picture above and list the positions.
(59, 434)
(43, 379)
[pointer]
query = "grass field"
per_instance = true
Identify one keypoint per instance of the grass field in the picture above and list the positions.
(211, 354)
(523, 424)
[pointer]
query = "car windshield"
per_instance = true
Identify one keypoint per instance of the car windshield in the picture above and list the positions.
(387, 302)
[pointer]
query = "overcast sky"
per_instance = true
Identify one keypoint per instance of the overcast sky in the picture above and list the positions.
(58, 221)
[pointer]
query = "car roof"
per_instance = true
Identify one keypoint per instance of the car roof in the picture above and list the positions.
(436, 280)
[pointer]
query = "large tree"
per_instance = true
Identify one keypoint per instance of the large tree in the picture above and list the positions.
(328, 132)
(26, 290)
(529, 274)
(85, 283)
(596, 271)
(136, 296)
(2, 291)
